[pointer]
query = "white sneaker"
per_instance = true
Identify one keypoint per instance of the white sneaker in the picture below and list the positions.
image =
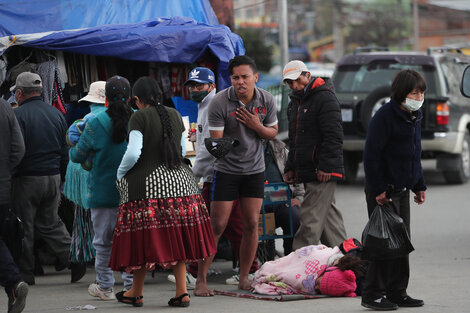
(104, 294)
(190, 280)
(235, 279)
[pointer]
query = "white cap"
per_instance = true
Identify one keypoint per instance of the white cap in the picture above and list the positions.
(96, 93)
(293, 69)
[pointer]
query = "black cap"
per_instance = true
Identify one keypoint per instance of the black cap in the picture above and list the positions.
(117, 89)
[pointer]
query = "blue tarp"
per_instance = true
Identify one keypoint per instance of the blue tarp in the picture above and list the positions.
(170, 40)
(36, 16)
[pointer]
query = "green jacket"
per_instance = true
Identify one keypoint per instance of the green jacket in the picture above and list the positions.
(96, 140)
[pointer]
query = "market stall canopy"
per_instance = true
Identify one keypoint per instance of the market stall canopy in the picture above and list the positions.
(37, 16)
(170, 40)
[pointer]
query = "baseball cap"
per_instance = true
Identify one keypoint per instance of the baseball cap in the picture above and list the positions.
(27, 80)
(96, 93)
(201, 75)
(293, 69)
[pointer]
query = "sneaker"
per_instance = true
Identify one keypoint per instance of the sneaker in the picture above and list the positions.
(104, 294)
(190, 280)
(235, 279)
(407, 301)
(17, 297)
(381, 304)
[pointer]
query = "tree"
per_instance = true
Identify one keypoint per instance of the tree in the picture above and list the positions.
(256, 47)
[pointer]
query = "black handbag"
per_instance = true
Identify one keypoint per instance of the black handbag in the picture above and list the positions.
(13, 234)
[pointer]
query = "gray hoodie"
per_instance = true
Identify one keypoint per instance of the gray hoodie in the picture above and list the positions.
(204, 162)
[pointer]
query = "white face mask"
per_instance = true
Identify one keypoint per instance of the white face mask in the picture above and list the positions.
(412, 105)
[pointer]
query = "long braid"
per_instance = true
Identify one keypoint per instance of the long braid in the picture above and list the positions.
(117, 94)
(149, 92)
(171, 153)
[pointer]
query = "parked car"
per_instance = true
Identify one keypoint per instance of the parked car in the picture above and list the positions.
(362, 82)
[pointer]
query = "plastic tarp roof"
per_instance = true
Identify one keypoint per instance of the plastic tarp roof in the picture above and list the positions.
(37, 16)
(170, 40)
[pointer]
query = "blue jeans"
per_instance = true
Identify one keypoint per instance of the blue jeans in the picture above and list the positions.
(104, 221)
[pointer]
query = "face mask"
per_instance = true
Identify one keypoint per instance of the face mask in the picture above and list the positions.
(198, 96)
(412, 105)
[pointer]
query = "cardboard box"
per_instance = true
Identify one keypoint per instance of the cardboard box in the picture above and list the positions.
(270, 224)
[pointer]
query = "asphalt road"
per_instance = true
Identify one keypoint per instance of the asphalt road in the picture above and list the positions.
(440, 265)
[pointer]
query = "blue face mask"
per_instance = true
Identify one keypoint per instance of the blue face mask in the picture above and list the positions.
(412, 105)
(12, 98)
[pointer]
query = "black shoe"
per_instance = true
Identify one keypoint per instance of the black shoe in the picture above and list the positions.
(381, 304)
(61, 264)
(17, 297)
(407, 301)
(78, 271)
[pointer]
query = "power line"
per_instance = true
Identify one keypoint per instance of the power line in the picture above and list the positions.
(251, 5)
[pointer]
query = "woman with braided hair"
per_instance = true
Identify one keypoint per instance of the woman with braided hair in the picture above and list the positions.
(162, 216)
(104, 141)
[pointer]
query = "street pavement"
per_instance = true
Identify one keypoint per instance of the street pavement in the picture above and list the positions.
(440, 265)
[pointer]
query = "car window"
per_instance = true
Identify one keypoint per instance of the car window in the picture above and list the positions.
(367, 77)
(453, 73)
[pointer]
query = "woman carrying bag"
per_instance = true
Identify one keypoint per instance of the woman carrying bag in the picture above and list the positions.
(392, 156)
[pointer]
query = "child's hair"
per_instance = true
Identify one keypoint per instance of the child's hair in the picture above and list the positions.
(118, 91)
(149, 92)
(351, 262)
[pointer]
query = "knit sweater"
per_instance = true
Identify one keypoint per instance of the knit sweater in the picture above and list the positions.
(97, 139)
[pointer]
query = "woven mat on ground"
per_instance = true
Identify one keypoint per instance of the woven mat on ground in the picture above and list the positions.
(250, 295)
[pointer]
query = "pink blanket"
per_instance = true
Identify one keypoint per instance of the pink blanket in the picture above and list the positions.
(294, 273)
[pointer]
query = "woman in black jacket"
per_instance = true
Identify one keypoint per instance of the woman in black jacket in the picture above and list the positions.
(392, 156)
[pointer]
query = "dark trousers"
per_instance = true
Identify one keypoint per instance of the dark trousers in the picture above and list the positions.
(388, 277)
(9, 273)
(35, 200)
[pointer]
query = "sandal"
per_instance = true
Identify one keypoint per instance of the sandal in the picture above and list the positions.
(176, 301)
(129, 300)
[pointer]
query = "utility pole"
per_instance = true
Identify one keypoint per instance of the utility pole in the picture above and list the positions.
(283, 33)
(416, 25)
(338, 35)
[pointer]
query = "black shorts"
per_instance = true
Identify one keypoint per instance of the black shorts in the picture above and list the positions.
(229, 187)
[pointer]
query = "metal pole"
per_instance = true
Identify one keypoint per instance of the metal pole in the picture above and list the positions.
(283, 33)
(416, 25)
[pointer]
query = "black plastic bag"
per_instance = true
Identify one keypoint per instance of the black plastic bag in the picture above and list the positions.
(385, 235)
(13, 234)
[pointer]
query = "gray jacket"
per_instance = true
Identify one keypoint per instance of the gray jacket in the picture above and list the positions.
(204, 162)
(280, 154)
(11, 149)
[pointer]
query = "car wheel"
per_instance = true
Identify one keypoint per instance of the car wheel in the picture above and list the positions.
(462, 174)
(351, 167)
(372, 103)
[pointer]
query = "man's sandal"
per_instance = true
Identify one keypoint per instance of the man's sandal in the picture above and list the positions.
(129, 300)
(177, 301)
